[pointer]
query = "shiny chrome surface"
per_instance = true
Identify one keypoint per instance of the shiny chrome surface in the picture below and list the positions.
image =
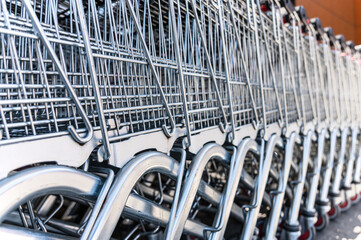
(213, 119)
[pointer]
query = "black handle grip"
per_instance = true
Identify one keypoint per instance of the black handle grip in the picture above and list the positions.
(341, 39)
(331, 35)
(288, 5)
(316, 23)
(302, 14)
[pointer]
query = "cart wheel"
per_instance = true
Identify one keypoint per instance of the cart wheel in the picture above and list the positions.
(334, 212)
(309, 234)
(322, 222)
(345, 205)
(355, 199)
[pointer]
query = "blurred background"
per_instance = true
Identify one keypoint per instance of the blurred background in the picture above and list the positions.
(344, 16)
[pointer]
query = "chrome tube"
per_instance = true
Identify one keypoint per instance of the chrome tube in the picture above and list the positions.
(277, 204)
(326, 174)
(336, 184)
(292, 218)
(254, 208)
(190, 186)
(236, 167)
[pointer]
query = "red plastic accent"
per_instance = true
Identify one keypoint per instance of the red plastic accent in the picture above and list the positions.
(304, 236)
(319, 222)
(354, 198)
(264, 8)
(332, 211)
(344, 204)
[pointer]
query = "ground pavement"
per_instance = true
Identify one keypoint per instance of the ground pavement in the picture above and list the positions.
(345, 227)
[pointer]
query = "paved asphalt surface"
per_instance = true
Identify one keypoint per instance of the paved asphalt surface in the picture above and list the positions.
(346, 227)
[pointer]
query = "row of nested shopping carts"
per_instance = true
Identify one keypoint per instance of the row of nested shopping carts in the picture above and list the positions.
(178, 119)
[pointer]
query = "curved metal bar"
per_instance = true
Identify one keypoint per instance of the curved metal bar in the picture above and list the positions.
(251, 7)
(96, 209)
(12, 232)
(357, 172)
(226, 66)
(91, 64)
(264, 169)
(335, 188)
(315, 176)
(123, 185)
(152, 212)
(235, 173)
(190, 186)
(178, 185)
(326, 175)
(37, 26)
(273, 220)
(37, 181)
(292, 218)
(316, 171)
(180, 70)
(351, 161)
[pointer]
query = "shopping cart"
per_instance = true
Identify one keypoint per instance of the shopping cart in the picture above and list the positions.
(174, 119)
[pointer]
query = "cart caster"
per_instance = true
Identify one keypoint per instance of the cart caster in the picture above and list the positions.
(334, 212)
(345, 205)
(355, 199)
(309, 234)
(322, 222)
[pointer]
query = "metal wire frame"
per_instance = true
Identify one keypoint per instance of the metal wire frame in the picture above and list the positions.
(341, 62)
(353, 86)
(135, 97)
(132, 84)
(12, 60)
(216, 64)
(321, 74)
(288, 41)
(125, 82)
(130, 80)
(261, 42)
(303, 74)
(331, 83)
(133, 68)
(270, 52)
(143, 91)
